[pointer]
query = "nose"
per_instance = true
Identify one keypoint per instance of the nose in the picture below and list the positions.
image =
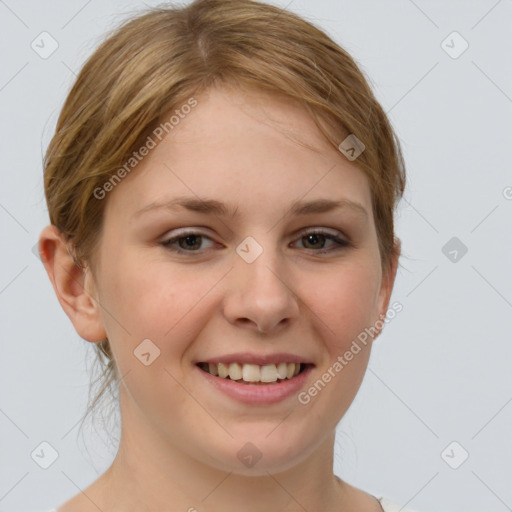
(259, 295)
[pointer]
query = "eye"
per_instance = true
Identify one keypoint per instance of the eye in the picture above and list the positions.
(188, 242)
(191, 242)
(319, 237)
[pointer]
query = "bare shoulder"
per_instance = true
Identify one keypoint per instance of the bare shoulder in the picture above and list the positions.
(91, 499)
(390, 506)
(361, 500)
(82, 502)
(75, 504)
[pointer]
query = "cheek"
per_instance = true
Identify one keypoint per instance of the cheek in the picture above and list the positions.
(345, 304)
(150, 303)
(156, 302)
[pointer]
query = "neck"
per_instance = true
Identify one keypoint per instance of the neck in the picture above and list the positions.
(150, 473)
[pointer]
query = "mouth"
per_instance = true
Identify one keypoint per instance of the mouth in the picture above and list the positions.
(254, 374)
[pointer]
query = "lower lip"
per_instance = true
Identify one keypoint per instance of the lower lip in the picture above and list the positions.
(256, 394)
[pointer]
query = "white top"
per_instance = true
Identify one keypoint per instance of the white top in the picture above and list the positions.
(387, 505)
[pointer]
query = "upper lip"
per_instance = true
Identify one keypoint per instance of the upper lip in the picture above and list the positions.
(259, 359)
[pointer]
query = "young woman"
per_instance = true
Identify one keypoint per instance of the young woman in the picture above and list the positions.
(221, 188)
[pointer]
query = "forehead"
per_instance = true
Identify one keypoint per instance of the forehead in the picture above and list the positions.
(246, 147)
(228, 112)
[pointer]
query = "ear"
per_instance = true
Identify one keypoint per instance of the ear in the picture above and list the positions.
(73, 285)
(388, 281)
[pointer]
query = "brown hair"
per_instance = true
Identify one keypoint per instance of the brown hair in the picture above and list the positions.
(157, 61)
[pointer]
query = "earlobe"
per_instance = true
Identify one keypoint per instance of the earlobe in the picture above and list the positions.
(73, 285)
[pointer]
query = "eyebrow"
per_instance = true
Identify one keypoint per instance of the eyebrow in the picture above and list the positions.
(213, 206)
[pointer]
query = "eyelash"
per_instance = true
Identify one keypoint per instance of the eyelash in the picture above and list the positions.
(342, 244)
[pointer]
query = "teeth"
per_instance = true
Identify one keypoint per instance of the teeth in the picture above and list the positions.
(223, 370)
(268, 373)
(282, 370)
(235, 371)
(253, 372)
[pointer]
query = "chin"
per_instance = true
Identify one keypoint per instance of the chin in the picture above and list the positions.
(259, 456)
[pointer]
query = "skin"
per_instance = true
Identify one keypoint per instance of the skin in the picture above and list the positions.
(180, 436)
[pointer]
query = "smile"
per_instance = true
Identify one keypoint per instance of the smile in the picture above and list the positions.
(254, 384)
(253, 373)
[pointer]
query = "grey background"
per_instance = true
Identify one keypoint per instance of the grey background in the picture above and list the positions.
(439, 373)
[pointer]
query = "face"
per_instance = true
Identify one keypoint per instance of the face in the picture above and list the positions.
(260, 283)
